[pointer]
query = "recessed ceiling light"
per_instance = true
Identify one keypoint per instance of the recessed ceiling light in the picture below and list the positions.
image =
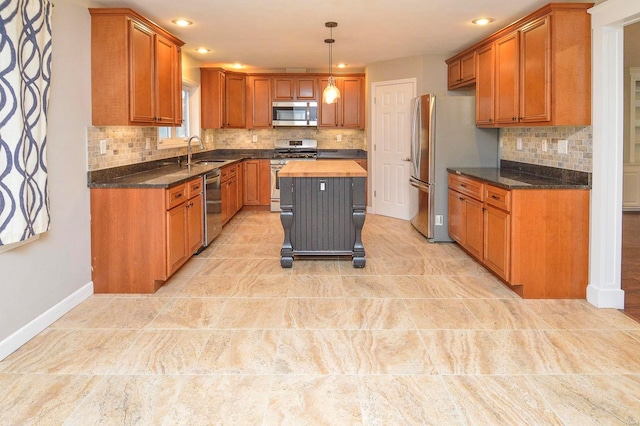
(203, 50)
(482, 21)
(238, 66)
(342, 65)
(182, 22)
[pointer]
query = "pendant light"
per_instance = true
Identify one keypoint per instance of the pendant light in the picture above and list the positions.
(331, 93)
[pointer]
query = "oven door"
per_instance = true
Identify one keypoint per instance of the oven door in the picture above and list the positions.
(275, 187)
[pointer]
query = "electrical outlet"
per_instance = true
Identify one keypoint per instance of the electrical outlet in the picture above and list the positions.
(339, 138)
(544, 145)
(563, 146)
(147, 143)
(254, 138)
(103, 146)
(438, 220)
(519, 144)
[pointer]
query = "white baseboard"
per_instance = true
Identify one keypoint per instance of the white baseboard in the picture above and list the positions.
(44, 320)
(605, 298)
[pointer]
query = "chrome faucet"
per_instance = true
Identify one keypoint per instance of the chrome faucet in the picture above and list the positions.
(189, 148)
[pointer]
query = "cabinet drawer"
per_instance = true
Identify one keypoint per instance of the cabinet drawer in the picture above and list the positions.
(498, 197)
(194, 188)
(176, 196)
(467, 186)
(227, 172)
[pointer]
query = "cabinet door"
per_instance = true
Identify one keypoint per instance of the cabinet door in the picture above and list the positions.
(235, 115)
(212, 98)
(177, 238)
(283, 88)
(195, 224)
(167, 80)
(507, 95)
(351, 107)
(239, 186)
(485, 93)
(497, 241)
(473, 224)
(468, 68)
(327, 113)
(453, 74)
(457, 230)
(306, 88)
(535, 72)
(141, 78)
(226, 198)
(260, 102)
(257, 185)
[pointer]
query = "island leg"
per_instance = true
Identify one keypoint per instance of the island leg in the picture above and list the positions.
(286, 217)
(359, 213)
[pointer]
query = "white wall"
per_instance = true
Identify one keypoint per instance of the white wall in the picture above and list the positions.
(42, 279)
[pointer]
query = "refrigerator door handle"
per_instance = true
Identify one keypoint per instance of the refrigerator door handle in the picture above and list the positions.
(415, 137)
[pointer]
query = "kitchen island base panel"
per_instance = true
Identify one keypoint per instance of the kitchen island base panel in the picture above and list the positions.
(322, 217)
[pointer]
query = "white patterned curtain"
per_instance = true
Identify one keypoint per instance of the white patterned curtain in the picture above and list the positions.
(25, 74)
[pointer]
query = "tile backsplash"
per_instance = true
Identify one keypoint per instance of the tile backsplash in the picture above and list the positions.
(128, 145)
(578, 157)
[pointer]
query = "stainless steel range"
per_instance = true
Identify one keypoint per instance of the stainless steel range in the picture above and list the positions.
(286, 150)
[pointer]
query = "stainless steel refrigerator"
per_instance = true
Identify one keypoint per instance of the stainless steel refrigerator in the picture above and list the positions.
(444, 134)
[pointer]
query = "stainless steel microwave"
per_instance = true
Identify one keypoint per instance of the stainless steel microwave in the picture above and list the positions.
(295, 113)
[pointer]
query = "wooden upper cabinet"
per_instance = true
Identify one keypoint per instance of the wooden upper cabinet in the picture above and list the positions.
(348, 112)
(485, 85)
(507, 96)
(235, 100)
(462, 71)
(212, 88)
(535, 72)
(136, 75)
(290, 88)
(259, 102)
(542, 69)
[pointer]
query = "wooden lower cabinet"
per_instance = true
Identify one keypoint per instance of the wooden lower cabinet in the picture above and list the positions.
(257, 182)
(230, 191)
(141, 236)
(496, 241)
(535, 240)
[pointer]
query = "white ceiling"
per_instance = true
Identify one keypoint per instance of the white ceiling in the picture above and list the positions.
(283, 34)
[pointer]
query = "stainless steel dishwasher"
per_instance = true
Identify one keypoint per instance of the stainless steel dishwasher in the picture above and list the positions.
(212, 207)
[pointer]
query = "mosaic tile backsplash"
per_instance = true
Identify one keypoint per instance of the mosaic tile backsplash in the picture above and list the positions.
(579, 155)
(128, 145)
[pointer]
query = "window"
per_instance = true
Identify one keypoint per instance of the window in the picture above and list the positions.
(176, 137)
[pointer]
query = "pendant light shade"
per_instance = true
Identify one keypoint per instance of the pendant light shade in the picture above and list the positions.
(331, 93)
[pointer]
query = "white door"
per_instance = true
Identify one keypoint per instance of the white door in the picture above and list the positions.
(393, 196)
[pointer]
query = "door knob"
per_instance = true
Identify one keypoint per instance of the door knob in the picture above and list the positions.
(407, 159)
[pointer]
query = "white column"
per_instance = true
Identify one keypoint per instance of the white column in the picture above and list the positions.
(608, 20)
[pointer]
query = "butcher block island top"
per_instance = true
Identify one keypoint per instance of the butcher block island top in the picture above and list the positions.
(323, 168)
(323, 210)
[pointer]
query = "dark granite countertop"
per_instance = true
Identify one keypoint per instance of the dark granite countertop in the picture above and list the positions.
(168, 172)
(513, 175)
(156, 174)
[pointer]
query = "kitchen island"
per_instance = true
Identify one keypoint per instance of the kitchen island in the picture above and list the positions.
(323, 210)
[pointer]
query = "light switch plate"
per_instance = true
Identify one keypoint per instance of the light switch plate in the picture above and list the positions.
(254, 138)
(544, 145)
(339, 138)
(103, 146)
(519, 144)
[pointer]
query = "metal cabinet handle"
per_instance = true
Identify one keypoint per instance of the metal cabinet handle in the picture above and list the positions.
(495, 197)
(178, 195)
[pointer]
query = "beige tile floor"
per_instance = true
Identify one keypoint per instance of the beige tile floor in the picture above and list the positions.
(422, 335)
